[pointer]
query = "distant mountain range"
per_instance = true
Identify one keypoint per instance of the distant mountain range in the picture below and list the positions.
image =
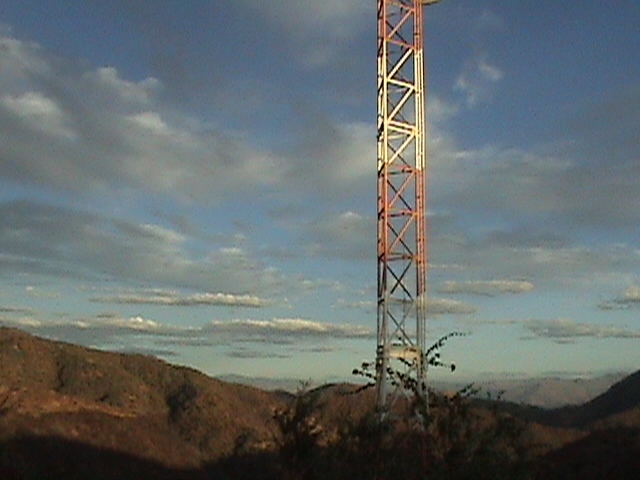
(550, 392)
(623, 398)
(545, 392)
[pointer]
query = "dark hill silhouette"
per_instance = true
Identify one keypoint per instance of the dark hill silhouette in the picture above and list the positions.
(40, 457)
(618, 406)
(612, 453)
(622, 397)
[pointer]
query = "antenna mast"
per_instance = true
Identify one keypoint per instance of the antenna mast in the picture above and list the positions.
(402, 238)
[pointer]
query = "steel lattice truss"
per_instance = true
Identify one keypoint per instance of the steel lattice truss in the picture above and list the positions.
(400, 352)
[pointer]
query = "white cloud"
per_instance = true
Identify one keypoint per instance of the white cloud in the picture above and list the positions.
(489, 288)
(107, 326)
(477, 81)
(366, 305)
(170, 298)
(75, 130)
(562, 330)
(107, 330)
(70, 129)
(316, 30)
(489, 21)
(39, 113)
(16, 310)
(552, 184)
(328, 157)
(353, 152)
(152, 122)
(240, 338)
(288, 327)
(544, 257)
(632, 294)
(73, 243)
(136, 323)
(435, 306)
(629, 299)
(489, 72)
(162, 234)
(108, 81)
(331, 17)
(439, 111)
(347, 235)
(445, 306)
(20, 60)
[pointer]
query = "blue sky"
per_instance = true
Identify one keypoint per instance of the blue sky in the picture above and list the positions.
(196, 180)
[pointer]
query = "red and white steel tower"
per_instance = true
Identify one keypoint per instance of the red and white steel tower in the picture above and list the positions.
(402, 236)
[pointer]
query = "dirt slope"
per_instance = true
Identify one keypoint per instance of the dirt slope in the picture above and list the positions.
(129, 403)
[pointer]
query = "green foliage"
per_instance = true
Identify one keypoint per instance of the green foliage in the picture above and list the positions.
(432, 358)
(180, 399)
(4, 402)
(457, 439)
(459, 442)
(298, 434)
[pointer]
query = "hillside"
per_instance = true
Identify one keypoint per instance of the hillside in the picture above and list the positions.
(617, 406)
(124, 404)
(622, 397)
(68, 412)
(550, 392)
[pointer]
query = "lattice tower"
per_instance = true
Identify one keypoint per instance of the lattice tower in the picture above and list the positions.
(401, 366)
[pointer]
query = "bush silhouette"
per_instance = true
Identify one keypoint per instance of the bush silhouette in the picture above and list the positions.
(458, 441)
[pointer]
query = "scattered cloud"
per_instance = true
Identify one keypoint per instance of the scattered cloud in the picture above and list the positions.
(94, 332)
(166, 161)
(445, 306)
(544, 259)
(490, 288)
(366, 305)
(17, 310)
(295, 327)
(565, 330)
(154, 352)
(326, 155)
(603, 134)
(477, 80)
(347, 235)
(320, 30)
(171, 298)
(435, 306)
(186, 341)
(308, 285)
(112, 87)
(489, 21)
(69, 129)
(632, 294)
(39, 238)
(554, 184)
(76, 131)
(105, 331)
(257, 354)
(630, 299)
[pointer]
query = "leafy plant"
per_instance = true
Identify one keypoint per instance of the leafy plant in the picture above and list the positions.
(298, 434)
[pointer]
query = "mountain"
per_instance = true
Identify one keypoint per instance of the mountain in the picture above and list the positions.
(56, 396)
(545, 392)
(550, 392)
(621, 400)
(68, 412)
(610, 446)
